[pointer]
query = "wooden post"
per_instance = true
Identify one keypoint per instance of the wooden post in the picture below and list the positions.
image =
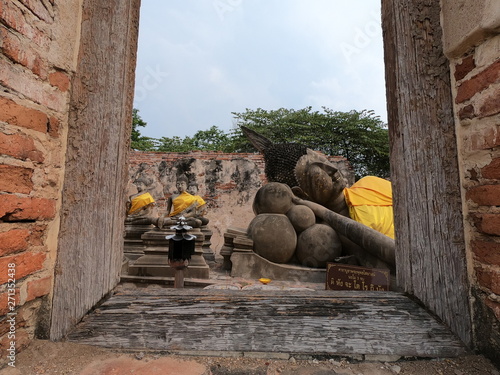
(430, 245)
(90, 247)
(179, 266)
(179, 278)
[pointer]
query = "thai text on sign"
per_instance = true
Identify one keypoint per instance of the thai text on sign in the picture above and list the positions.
(347, 277)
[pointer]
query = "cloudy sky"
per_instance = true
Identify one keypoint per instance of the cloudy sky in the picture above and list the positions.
(200, 60)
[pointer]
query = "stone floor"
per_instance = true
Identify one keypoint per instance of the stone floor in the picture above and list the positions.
(221, 279)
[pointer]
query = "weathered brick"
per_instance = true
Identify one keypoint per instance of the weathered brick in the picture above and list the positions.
(466, 112)
(494, 306)
(7, 300)
(15, 50)
(54, 125)
(13, 241)
(38, 91)
(486, 252)
(465, 67)
(16, 114)
(15, 179)
(489, 224)
(492, 170)
(39, 8)
(23, 339)
(488, 278)
(59, 80)
(485, 139)
(491, 104)
(26, 263)
(20, 147)
(11, 15)
(38, 288)
(479, 82)
(13, 208)
(37, 233)
(485, 195)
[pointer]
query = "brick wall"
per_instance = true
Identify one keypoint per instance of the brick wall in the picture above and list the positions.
(477, 99)
(228, 182)
(35, 77)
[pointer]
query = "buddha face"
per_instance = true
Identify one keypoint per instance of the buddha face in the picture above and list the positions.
(192, 189)
(140, 185)
(318, 178)
(181, 186)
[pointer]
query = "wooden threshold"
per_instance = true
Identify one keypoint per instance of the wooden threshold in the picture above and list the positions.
(316, 323)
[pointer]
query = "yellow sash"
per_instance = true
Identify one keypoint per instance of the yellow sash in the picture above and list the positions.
(139, 202)
(200, 201)
(370, 203)
(370, 190)
(183, 201)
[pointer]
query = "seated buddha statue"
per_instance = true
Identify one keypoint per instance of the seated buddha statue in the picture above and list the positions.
(182, 203)
(140, 206)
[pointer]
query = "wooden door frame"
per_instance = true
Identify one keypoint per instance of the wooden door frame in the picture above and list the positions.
(431, 253)
(90, 246)
(417, 74)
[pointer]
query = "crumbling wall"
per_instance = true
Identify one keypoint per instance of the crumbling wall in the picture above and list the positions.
(472, 41)
(227, 182)
(37, 49)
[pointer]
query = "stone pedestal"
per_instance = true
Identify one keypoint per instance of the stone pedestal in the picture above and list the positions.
(154, 262)
(133, 246)
(208, 253)
(249, 265)
(234, 238)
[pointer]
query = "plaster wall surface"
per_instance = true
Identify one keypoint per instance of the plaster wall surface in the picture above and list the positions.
(468, 23)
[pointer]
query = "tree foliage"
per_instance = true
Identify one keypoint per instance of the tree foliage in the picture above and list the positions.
(137, 141)
(213, 139)
(360, 136)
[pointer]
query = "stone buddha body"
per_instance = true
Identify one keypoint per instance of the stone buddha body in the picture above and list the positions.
(140, 206)
(182, 203)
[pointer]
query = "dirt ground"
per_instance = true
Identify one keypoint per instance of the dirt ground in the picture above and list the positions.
(63, 358)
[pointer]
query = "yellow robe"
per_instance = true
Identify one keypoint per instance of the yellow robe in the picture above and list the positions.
(140, 202)
(184, 201)
(370, 203)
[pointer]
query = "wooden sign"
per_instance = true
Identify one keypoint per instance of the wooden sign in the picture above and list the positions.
(347, 277)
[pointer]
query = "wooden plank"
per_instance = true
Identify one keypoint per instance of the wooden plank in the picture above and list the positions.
(90, 242)
(431, 257)
(331, 323)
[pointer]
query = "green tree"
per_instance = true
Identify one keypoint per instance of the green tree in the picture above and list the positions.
(359, 136)
(175, 144)
(137, 141)
(213, 139)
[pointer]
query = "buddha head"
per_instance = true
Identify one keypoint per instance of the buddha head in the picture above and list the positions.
(192, 188)
(318, 179)
(181, 183)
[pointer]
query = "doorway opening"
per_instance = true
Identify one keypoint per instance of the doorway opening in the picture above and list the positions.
(240, 55)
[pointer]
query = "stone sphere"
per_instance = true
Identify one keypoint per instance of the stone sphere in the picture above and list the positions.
(318, 245)
(273, 198)
(273, 237)
(301, 217)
